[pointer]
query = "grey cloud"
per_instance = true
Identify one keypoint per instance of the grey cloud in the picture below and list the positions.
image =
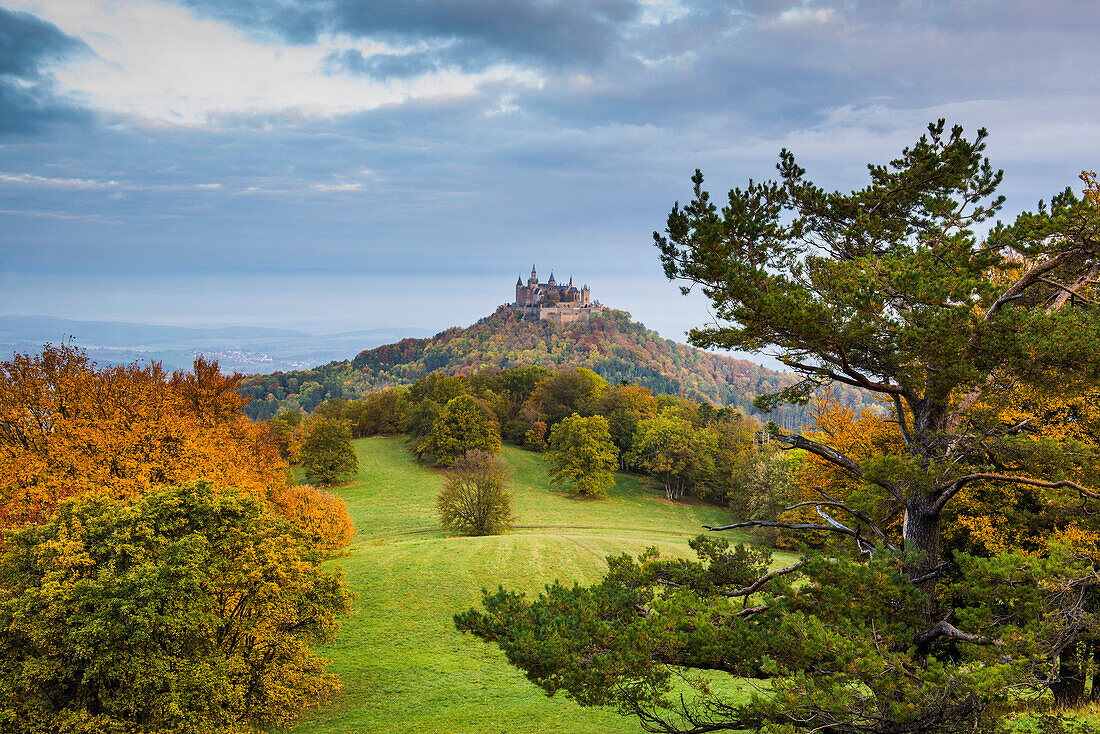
(28, 100)
(555, 33)
(558, 33)
(457, 55)
(28, 43)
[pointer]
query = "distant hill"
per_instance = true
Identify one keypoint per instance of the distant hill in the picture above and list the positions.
(611, 345)
(243, 348)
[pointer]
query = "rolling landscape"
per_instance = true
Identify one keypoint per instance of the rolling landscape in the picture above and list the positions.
(792, 427)
(241, 349)
(404, 666)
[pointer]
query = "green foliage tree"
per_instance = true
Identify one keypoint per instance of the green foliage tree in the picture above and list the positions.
(463, 425)
(674, 452)
(568, 391)
(326, 451)
(735, 453)
(381, 412)
(474, 500)
(183, 610)
(582, 454)
(312, 394)
(888, 289)
(624, 406)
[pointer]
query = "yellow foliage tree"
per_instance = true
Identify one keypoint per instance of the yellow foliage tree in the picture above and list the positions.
(860, 436)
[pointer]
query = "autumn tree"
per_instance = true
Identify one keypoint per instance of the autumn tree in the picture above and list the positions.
(625, 406)
(320, 519)
(207, 393)
(582, 455)
(69, 427)
(181, 610)
(887, 289)
(475, 499)
(568, 391)
(381, 413)
(286, 434)
(462, 425)
(327, 453)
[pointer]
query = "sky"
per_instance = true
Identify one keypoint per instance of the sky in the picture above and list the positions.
(333, 165)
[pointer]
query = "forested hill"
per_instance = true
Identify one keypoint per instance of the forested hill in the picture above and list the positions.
(611, 345)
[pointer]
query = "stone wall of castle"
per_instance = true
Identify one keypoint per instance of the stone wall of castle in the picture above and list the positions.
(565, 313)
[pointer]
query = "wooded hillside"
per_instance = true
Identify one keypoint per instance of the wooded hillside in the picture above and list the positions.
(611, 345)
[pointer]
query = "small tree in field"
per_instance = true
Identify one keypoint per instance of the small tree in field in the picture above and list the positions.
(326, 450)
(581, 453)
(474, 500)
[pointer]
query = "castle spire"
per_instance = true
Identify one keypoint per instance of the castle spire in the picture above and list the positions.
(519, 282)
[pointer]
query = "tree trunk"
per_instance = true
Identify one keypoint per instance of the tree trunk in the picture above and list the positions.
(921, 531)
(1094, 695)
(1069, 687)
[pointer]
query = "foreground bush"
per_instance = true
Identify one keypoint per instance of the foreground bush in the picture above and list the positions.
(181, 611)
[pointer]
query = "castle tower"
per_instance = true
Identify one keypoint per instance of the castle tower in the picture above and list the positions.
(533, 281)
(585, 293)
(519, 292)
(551, 282)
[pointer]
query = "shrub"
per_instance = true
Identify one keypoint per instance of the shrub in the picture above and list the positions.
(474, 500)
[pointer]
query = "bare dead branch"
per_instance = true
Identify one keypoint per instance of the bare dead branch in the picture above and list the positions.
(946, 629)
(835, 457)
(755, 585)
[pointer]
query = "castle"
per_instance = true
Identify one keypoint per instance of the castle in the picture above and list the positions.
(561, 304)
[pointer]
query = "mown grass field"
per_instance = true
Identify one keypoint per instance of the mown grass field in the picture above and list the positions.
(403, 665)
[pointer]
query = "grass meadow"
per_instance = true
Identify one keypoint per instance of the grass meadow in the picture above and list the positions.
(403, 665)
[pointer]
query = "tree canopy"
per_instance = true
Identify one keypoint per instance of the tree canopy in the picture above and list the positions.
(182, 610)
(462, 425)
(582, 455)
(888, 289)
(327, 454)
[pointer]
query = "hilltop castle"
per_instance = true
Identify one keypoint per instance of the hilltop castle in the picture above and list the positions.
(561, 304)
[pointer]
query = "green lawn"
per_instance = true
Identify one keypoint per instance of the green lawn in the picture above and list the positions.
(403, 665)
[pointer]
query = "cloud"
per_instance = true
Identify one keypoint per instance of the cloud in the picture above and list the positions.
(553, 33)
(237, 135)
(29, 47)
(156, 61)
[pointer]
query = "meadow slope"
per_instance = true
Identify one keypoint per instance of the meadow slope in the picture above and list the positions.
(403, 665)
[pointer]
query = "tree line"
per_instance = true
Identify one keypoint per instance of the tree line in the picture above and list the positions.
(689, 447)
(611, 345)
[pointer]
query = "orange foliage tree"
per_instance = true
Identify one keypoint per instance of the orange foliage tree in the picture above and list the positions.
(69, 427)
(859, 435)
(321, 518)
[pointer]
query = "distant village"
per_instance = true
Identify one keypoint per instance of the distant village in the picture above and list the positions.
(559, 303)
